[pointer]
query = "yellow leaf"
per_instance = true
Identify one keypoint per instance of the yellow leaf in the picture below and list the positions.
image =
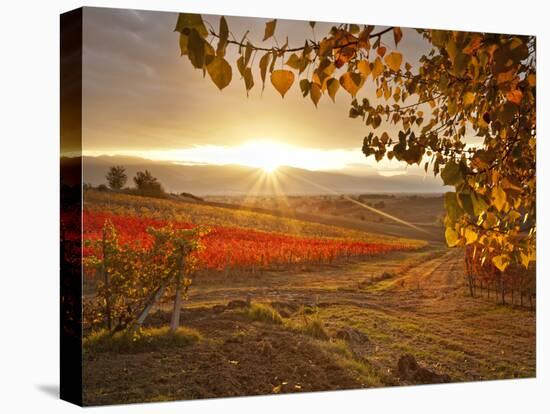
(470, 235)
(364, 67)
(393, 60)
(397, 35)
(514, 96)
(220, 72)
(315, 93)
(505, 76)
(451, 236)
(293, 61)
(501, 262)
(351, 82)
(468, 98)
(527, 258)
(532, 80)
(499, 198)
(378, 68)
(269, 29)
(332, 87)
(282, 80)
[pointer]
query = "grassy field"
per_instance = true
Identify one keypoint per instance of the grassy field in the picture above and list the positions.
(328, 327)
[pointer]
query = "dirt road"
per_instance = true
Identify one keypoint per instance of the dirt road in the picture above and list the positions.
(374, 311)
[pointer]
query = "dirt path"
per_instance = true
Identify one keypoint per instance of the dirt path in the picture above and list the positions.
(403, 303)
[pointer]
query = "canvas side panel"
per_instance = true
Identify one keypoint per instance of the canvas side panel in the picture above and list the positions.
(71, 206)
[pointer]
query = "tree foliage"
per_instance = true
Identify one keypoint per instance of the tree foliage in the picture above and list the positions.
(467, 88)
(147, 184)
(116, 177)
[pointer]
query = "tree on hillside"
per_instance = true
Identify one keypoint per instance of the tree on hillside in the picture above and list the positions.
(116, 177)
(466, 85)
(148, 185)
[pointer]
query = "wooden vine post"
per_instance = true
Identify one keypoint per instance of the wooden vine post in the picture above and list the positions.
(175, 322)
(106, 281)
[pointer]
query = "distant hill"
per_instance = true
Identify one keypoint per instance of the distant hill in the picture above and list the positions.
(238, 180)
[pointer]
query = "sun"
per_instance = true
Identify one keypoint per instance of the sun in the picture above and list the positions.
(264, 154)
(270, 167)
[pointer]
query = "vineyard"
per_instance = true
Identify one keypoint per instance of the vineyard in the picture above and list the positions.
(516, 284)
(177, 211)
(237, 248)
(136, 249)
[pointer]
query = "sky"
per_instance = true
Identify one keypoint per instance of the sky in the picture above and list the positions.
(141, 98)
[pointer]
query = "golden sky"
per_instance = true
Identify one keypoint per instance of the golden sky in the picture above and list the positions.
(140, 97)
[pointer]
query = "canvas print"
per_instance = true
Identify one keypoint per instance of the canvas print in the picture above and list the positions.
(264, 206)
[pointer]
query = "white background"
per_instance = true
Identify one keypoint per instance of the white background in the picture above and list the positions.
(29, 131)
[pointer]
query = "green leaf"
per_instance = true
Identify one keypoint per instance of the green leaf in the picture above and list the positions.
(220, 72)
(270, 29)
(282, 80)
(451, 174)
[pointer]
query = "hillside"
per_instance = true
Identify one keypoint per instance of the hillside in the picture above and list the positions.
(238, 180)
(124, 204)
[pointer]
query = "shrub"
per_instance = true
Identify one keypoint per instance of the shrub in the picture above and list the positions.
(264, 313)
(315, 328)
